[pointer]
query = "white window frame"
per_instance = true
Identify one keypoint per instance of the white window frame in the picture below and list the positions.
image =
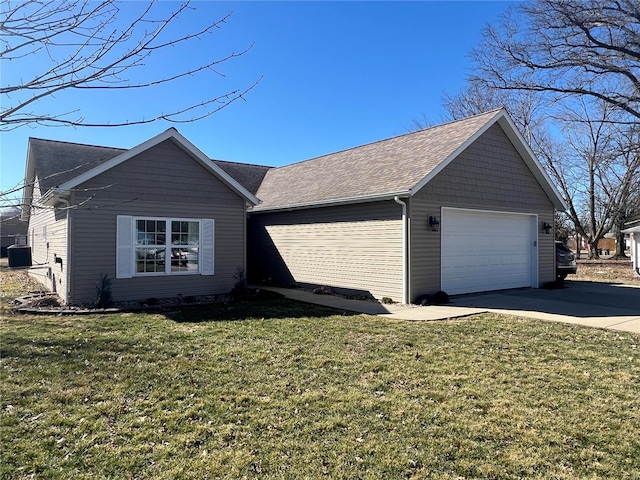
(126, 246)
(167, 246)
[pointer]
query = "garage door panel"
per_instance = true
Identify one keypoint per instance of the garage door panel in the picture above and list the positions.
(484, 251)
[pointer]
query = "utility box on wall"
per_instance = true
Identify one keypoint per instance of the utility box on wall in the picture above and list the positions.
(19, 256)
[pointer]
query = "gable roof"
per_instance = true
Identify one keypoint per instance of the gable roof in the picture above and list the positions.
(398, 166)
(60, 166)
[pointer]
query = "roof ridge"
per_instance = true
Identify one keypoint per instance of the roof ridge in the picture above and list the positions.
(470, 117)
(242, 163)
(494, 111)
(76, 143)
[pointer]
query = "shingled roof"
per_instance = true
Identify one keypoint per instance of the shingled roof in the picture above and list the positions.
(387, 167)
(56, 162)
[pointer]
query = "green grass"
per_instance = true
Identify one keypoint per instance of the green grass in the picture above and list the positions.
(280, 389)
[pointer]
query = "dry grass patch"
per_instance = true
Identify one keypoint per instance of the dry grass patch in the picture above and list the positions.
(609, 271)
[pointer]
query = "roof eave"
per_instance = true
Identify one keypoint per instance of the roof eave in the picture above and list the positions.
(333, 202)
(51, 197)
(502, 118)
(184, 144)
(27, 191)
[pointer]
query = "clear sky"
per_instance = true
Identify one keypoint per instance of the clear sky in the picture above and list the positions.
(335, 75)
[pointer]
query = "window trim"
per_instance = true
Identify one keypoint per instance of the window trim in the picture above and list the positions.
(167, 246)
(126, 246)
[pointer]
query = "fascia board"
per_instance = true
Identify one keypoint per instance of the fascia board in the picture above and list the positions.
(52, 195)
(191, 149)
(332, 203)
(512, 132)
(123, 157)
(183, 143)
(532, 162)
(457, 152)
(27, 192)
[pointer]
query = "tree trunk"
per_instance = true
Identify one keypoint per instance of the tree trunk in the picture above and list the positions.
(593, 250)
(620, 255)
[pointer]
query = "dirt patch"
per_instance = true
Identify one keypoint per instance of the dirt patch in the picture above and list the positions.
(609, 271)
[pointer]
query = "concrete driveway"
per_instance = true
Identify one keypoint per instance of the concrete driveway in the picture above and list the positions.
(602, 305)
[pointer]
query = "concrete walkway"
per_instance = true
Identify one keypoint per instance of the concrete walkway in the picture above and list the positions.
(615, 307)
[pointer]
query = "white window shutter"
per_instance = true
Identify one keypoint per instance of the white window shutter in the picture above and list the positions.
(207, 242)
(124, 247)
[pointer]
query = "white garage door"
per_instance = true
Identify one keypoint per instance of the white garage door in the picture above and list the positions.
(483, 251)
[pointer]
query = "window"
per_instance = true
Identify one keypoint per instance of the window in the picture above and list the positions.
(155, 255)
(164, 246)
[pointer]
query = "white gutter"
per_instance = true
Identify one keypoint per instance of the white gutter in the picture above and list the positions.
(405, 251)
(332, 203)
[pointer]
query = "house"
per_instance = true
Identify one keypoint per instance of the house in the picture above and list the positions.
(462, 207)
(160, 219)
(634, 245)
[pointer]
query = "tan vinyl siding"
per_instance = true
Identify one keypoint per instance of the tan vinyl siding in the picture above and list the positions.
(354, 247)
(489, 175)
(161, 182)
(50, 274)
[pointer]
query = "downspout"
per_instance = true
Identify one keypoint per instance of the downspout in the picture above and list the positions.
(405, 251)
(68, 250)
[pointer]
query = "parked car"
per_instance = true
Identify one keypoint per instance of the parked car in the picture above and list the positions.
(565, 261)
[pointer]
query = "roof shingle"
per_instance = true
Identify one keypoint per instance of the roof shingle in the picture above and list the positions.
(57, 162)
(388, 166)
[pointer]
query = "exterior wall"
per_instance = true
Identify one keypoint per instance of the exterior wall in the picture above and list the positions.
(483, 177)
(353, 247)
(47, 237)
(161, 182)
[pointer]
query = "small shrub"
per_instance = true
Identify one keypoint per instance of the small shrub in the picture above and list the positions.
(240, 286)
(150, 302)
(424, 299)
(103, 292)
(440, 297)
(387, 300)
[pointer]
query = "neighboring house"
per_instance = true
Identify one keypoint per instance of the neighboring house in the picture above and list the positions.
(461, 207)
(634, 247)
(13, 231)
(160, 219)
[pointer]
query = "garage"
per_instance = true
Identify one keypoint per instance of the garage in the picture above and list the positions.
(483, 250)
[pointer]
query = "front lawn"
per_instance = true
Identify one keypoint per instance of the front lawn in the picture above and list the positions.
(285, 390)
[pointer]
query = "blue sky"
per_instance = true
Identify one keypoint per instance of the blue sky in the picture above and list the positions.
(334, 75)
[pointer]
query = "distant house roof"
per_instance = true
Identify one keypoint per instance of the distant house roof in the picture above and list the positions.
(60, 164)
(398, 166)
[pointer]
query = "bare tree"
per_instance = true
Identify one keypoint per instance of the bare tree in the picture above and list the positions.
(566, 48)
(598, 172)
(84, 45)
(593, 159)
(573, 64)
